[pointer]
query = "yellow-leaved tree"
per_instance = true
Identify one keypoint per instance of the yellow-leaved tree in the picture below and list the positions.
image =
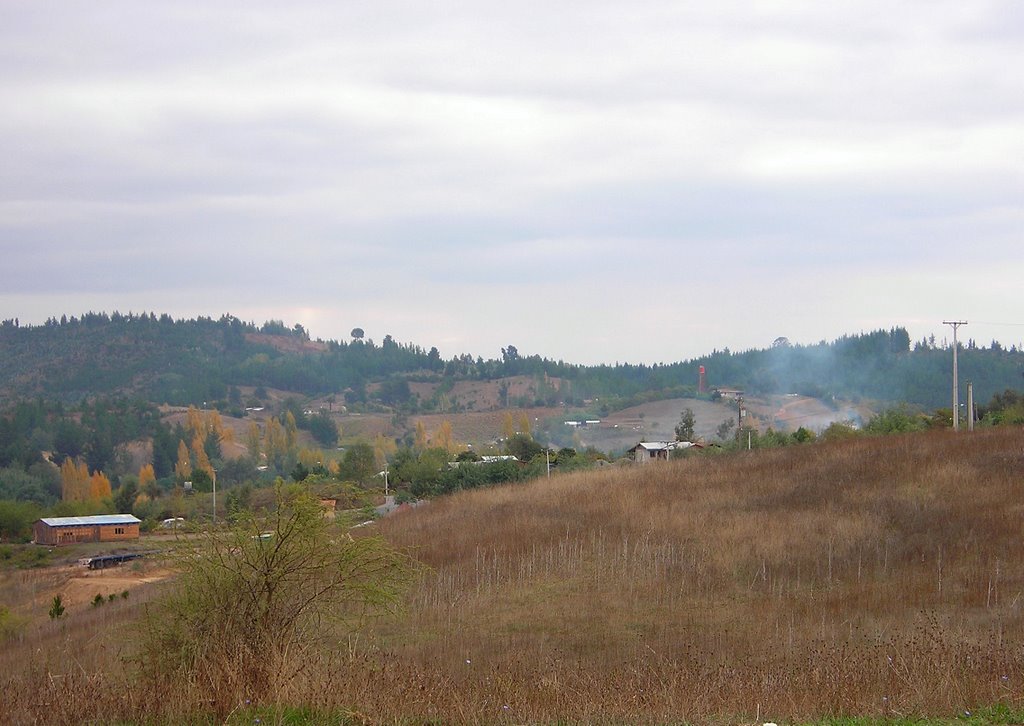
(383, 447)
(524, 424)
(195, 423)
(291, 433)
(252, 441)
(183, 467)
(202, 461)
(420, 442)
(310, 458)
(508, 427)
(147, 479)
(99, 486)
(275, 444)
(443, 437)
(74, 480)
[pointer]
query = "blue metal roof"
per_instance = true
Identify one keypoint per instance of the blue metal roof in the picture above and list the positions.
(90, 521)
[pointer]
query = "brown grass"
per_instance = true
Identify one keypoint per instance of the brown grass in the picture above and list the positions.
(873, 576)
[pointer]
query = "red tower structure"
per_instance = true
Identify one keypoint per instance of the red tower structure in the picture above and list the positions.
(701, 382)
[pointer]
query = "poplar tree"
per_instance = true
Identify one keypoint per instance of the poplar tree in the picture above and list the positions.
(183, 468)
(74, 480)
(420, 442)
(508, 427)
(443, 438)
(252, 441)
(99, 486)
(291, 433)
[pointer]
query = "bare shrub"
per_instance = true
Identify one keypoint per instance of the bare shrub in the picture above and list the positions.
(256, 606)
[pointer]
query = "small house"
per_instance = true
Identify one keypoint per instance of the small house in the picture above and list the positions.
(97, 528)
(647, 451)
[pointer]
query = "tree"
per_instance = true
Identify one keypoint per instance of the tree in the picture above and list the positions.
(420, 443)
(357, 333)
(725, 428)
(523, 447)
(74, 479)
(443, 437)
(202, 461)
(684, 429)
(99, 486)
(252, 441)
(56, 608)
(147, 480)
(16, 520)
(255, 604)
(183, 468)
(291, 433)
(383, 447)
(275, 444)
(202, 480)
(508, 426)
(359, 463)
(124, 500)
(324, 430)
(299, 472)
(524, 424)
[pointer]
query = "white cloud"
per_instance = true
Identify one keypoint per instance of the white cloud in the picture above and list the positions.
(478, 173)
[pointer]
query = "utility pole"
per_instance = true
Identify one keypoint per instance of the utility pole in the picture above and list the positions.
(956, 387)
(970, 406)
(739, 417)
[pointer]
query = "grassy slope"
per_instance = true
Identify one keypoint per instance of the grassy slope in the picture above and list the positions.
(879, 577)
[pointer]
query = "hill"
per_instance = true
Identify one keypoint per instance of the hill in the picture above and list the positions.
(182, 362)
(874, 576)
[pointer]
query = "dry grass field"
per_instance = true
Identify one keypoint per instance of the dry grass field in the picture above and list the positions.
(876, 576)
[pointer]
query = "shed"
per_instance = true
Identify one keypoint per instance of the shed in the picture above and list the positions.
(97, 528)
(647, 451)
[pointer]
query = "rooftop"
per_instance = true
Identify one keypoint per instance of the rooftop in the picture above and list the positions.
(90, 520)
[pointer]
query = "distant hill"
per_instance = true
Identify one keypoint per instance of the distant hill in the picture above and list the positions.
(196, 361)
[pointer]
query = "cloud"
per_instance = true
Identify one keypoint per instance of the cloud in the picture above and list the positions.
(480, 173)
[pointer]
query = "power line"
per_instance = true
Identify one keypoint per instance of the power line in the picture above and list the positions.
(989, 322)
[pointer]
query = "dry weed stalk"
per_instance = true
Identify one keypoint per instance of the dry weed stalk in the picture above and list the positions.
(874, 576)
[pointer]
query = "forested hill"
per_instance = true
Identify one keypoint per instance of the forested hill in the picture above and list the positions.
(184, 362)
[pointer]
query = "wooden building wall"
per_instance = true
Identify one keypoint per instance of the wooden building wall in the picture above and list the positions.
(45, 534)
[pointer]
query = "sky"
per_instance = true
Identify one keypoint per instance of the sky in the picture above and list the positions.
(588, 181)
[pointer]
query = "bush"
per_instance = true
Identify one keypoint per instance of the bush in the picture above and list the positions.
(56, 608)
(256, 603)
(16, 520)
(10, 624)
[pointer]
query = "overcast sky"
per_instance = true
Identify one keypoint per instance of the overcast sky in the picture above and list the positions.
(593, 181)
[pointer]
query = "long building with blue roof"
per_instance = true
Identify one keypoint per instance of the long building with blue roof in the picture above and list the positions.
(95, 528)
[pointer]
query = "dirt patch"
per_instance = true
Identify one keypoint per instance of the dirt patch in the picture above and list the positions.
(286, 343)
(30, 592)
(82, 586)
